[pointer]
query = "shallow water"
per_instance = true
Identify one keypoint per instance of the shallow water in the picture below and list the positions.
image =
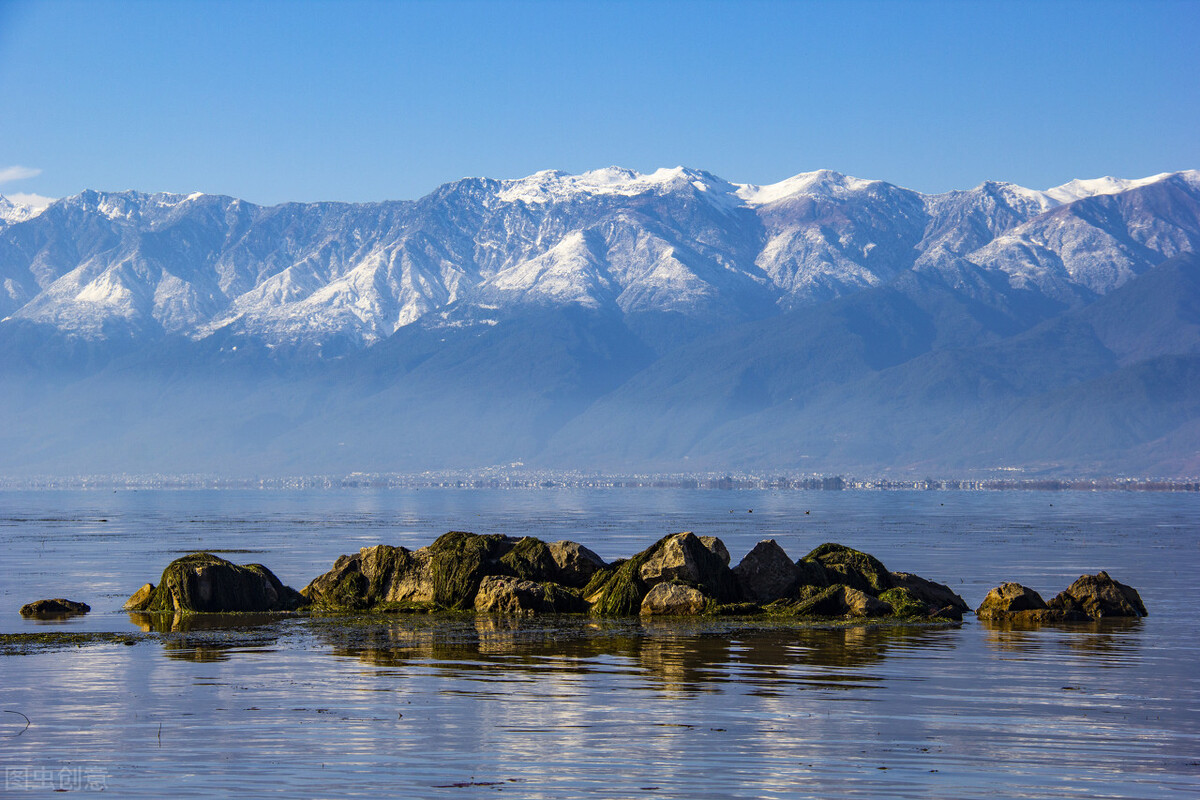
(432, 707)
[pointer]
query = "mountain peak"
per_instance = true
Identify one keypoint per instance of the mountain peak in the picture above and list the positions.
(1079, 189)
(820, 183)
(21, 207)
(549, 186)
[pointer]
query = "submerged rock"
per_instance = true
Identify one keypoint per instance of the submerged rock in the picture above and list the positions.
(767, 573)
(1099, 596)
(203, 582)
(58, 607)
(673, 599)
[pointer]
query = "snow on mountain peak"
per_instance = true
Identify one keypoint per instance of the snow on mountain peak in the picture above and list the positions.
(550, 186)
(20, 207)
(555, 186)
(1079, 189)
(821, 183)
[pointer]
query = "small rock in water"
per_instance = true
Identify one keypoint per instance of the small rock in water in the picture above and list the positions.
(1092, 597)
(58, 607)
(1100, 596)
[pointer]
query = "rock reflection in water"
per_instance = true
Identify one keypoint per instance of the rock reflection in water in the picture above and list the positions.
(209, 637)
(1116, 640)
(674, 656)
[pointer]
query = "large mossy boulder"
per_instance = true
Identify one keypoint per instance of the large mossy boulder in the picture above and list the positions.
(531, 559)
(938, 595)
(851, 567)
(446, 574)
(374, 575)
(206, 583)
(810, 573)
(456, 563)
(1099, 596)
(767, 573)
(683, 558)
(565, 563)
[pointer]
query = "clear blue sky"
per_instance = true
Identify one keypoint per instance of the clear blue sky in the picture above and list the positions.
(274, 101)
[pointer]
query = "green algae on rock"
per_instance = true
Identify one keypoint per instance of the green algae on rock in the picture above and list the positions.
(205, 583)
(852, 567)
(679, 575)
(699, 562)
(495, 574)
(447, 575)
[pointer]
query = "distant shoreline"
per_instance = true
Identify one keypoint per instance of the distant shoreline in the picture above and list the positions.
(550, 481)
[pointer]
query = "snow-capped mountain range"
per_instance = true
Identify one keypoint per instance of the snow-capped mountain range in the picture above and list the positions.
(679, 241)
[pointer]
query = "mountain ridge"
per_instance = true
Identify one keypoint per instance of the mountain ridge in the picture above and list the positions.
(611, 320)
(675, 240)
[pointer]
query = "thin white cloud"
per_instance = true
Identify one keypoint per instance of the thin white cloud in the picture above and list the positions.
(35, 201)
(18, 173)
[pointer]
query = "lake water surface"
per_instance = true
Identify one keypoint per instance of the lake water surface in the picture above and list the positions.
(466, 706)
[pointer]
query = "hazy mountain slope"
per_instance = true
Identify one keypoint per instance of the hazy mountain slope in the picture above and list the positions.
(1065, 393)
(607, 320)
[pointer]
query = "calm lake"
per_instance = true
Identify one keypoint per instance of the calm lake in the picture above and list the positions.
(463, 706)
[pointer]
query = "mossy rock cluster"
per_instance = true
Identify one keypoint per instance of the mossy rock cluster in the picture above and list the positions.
(701, 563)
(680, 574)
(835, 581)
(447, 575)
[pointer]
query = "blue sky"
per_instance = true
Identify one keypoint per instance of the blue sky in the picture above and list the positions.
(275, 101)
